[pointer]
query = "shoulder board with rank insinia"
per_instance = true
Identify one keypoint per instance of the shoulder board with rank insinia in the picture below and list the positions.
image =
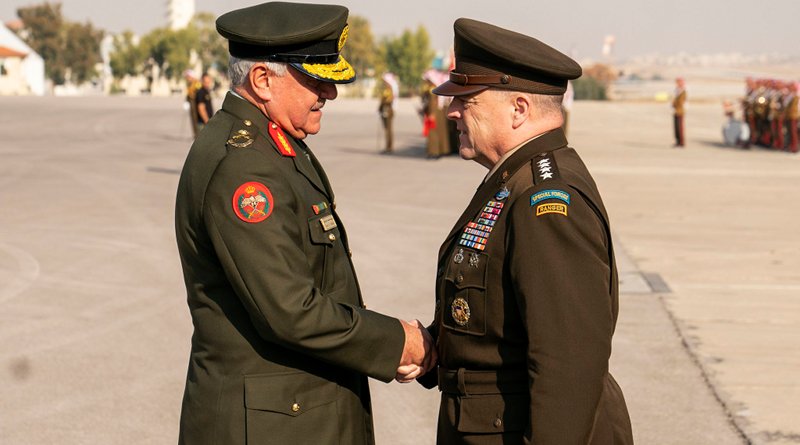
(544, 167)
(281, 142)
(240, 139)
(477, 231)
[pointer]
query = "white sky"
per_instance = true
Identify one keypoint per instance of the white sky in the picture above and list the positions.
(573, 26)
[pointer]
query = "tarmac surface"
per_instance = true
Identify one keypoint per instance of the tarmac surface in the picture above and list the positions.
(94, 327)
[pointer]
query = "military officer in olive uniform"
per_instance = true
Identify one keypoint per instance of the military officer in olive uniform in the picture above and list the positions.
(526, 290)
(282, 343)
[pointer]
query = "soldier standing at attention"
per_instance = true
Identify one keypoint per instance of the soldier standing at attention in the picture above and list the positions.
(282, 343)
(526, 287)
(679, 107)
(386, 110)
(192, 86)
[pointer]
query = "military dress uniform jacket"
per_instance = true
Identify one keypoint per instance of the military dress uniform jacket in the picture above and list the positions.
(526, 305)
(679, 102)
(282, 343)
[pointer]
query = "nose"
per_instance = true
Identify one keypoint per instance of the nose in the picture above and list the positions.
(453, 111)
(328, 91)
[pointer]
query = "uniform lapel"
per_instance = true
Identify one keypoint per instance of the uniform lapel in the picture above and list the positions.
(304, 163)
(547, 142)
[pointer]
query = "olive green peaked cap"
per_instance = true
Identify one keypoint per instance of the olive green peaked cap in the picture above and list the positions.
(490, 56)
(310, 37)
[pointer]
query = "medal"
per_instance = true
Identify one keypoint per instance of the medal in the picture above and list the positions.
(473, 260)
(459, 256)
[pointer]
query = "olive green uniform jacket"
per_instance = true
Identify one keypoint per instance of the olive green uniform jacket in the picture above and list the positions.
(526, 306)
(282, 343)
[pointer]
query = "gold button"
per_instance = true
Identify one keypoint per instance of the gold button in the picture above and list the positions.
(296, 408)
(332, 237)
(350, 253)
(498, 423)
(247, 122)
(333, 205)
(459, 278)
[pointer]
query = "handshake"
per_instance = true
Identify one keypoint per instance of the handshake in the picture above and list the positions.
(419, 352)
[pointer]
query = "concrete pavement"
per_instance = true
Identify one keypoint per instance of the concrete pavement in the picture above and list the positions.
(94, 330)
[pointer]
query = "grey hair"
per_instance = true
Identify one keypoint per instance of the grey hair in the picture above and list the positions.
(238, 69)
(544, 104)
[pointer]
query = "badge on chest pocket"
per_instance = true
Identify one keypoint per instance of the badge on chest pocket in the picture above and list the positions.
(465, 292)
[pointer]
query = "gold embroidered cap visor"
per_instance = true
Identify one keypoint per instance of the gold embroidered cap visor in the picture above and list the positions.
(339, 72)
(309, 37)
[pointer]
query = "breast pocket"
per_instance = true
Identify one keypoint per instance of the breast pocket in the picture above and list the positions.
(465, 293)
(295, 408)
(324, 235)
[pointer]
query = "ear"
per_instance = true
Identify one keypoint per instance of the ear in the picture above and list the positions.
(261, 81)
(522, 110)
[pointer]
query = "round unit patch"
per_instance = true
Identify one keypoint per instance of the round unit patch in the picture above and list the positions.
(459, 309)
(252, 202)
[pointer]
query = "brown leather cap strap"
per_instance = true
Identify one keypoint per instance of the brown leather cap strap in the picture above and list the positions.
(479, 79)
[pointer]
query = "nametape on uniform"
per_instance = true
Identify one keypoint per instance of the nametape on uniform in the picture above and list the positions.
(252, 202)
(544, 209)
(327, 222)
(544, 195)
(278, 136)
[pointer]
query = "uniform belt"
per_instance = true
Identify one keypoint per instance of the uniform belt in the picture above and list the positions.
(465, 382)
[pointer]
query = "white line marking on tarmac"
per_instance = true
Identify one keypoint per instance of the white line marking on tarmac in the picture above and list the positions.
(18, 280)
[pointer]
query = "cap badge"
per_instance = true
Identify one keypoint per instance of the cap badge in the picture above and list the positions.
(459, 309)
(343, 38)
(252, 202)
(280, 140)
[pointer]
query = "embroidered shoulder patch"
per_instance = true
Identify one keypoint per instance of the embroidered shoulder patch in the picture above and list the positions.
(544, 195)
(252, 202)
(279, 137)
(544, 209)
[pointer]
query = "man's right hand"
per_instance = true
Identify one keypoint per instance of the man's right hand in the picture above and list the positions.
(419, 352)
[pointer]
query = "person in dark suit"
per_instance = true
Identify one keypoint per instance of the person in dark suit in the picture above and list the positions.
(526, 285)
(283, 343)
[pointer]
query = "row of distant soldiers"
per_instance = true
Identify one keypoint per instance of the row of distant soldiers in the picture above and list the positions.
(771, 112)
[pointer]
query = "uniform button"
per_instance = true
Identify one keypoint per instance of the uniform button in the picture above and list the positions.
(459, 278)
(333, 205)
(505, 175)
(296, 408)
(247, 123)
(332, 237)
(498, 423)
(350, 253)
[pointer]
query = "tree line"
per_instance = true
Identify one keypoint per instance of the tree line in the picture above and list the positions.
(72, 51)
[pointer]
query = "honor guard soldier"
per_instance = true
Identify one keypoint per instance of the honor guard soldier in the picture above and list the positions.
(282, 343)
(526, 290)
